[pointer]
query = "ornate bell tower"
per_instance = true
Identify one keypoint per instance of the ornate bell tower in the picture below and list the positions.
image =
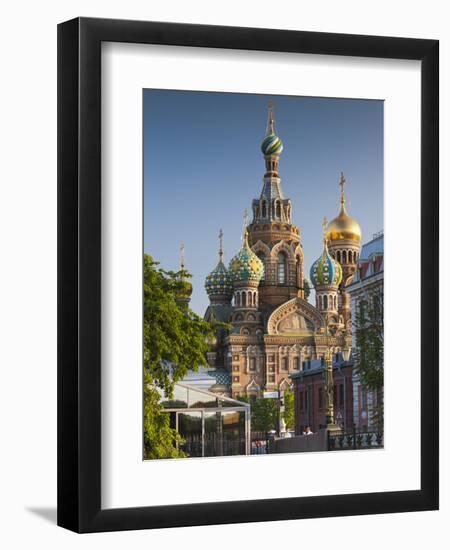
(272, 235)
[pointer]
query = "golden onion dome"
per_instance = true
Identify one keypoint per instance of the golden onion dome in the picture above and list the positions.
(343, 227)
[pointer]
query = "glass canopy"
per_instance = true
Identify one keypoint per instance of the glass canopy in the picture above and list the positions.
(209, 424)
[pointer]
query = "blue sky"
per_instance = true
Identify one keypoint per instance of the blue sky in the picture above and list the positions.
(203, 166)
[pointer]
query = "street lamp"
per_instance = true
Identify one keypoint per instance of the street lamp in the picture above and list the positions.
(328, 377)
(328, 382)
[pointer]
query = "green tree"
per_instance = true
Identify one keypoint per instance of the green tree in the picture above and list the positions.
(288, 414)
(368, 353)
(175, 340)
(264, 414)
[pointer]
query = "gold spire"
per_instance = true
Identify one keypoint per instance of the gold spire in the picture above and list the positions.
(342, 183)
(270, 121)
(343, 227)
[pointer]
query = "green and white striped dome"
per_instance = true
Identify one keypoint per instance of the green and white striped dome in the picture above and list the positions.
(272, 145)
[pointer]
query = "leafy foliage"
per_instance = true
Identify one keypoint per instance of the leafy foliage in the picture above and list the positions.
(175, 340)
(368, 353)
(288, 414)
(264, 414)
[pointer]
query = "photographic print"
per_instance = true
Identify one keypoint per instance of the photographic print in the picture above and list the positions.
(263, 274)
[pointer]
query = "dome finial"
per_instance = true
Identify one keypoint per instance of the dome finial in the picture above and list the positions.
(342, 183)
(244, 236)
(324, 229)
(221, 245)
(270, 121)
(181, 256)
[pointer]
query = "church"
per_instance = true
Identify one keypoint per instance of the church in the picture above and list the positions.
(263, 293)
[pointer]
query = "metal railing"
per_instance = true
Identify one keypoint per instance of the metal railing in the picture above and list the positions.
(355, 440)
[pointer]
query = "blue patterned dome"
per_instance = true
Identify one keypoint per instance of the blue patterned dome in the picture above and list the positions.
(272, 145)
(219, 282)
(246, 266)
(326, 270)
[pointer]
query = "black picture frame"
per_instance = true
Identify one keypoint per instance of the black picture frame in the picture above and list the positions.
(79, 274)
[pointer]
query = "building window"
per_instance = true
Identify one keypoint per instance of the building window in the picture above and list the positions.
(285, 363)
(341, 394)
(264, 209)
(271, 378)
(363, 398)
(235, 378)
(325, 302)
(278, 210)
(296, 363)
(362, 311)
(320, 398)
(281, 269)
(298, 265)
(252, 363)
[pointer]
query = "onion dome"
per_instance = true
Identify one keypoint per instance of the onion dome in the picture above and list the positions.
(219, 282)
(271, 144)
(343, 227)
(185, 290)
(326, 270)
(246, 266)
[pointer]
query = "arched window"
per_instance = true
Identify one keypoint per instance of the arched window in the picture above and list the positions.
(281, 269)
(285, 363)
(244, 299)
(335, 302)
(237, 299)
(264, 209)
(298, 265)
(344, 256)
(320, 302)
(338, 256)
(262, 257)
(278, 210)
(325, 302)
